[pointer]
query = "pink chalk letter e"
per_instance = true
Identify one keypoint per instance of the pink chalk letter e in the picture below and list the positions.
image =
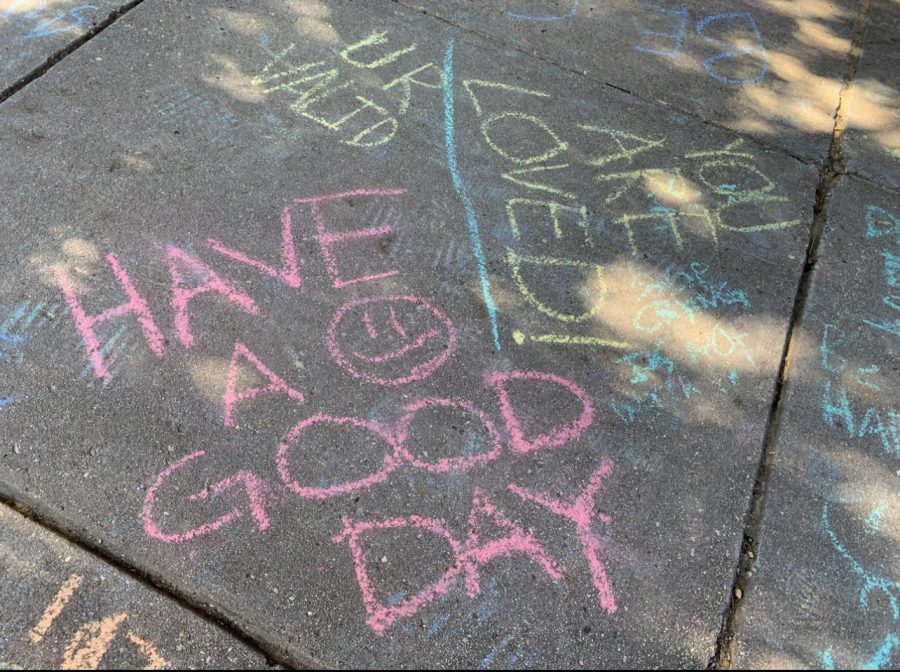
(328, 239)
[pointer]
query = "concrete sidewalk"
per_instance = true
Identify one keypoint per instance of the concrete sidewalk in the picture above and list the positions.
(473, 334)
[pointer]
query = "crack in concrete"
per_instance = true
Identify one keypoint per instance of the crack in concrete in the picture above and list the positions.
(251, 636)
(70, 48)
(830, 175)
(759, 143)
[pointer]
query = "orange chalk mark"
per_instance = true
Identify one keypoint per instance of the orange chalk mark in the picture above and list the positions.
(55, 609)
(89, 655)
(157, 662)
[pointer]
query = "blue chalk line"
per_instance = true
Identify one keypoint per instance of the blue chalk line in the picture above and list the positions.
(474, 232)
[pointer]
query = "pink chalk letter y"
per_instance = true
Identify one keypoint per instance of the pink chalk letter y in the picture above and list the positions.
(233, 397)
(86, 323)
(211, 282)
(469, 556)
(580, 510)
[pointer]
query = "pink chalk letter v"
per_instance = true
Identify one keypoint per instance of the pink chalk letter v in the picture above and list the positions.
(211, 282)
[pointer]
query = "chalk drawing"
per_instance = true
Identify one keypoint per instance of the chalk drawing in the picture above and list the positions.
(881, 659)
(548, 17)
(376, 38)
(884, 423)
(500, 382)
(54, 609)
(580, 510)
(232, 397)
(757, 51)
(86, 324)
(90, 643)
(44, 22)
(469, 557)
(462, 193)
(392, 459)
(210, 282)
(516, 262)
(250, 483)
(414, 357)
(444, 465)
(677, 36)
(880, 223)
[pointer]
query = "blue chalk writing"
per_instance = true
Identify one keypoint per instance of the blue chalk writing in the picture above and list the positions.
(892, 269)
(452, 162)
(836, 406)
(758, 51)
(561, 17)
(46, 28)
(871, 582)
(677, 37)
(708, 294)
(489, 659)
(880, 223)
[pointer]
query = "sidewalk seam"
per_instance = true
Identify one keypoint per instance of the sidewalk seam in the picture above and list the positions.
(694, 116)
(71, 47)
(830, 175)
(275, 655)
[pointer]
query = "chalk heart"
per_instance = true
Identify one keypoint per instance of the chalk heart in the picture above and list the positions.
(390, 340)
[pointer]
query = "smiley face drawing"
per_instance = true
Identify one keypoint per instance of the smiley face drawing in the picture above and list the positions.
(390, 340)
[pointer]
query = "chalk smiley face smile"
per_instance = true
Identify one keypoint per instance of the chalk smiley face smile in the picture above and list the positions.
(390, 340)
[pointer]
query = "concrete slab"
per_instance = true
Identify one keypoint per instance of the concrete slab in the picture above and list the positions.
(31, 31)
(65, 609)
(430, 353)
(872, 140)
(767, 68)
(826, 587)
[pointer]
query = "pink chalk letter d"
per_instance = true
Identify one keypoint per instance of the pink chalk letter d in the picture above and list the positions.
(251, 484)
(86, 323)
(559, 436)
(233, 397)
(289, 274)
(210, 282)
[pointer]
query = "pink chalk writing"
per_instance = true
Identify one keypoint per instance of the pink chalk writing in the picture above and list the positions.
(413, 359)
(329, 239)
(560, 436)
(580, 510)
(232, 397)
(251, 484)
(86, 323)
(389, 464)
(469, 557)
(210, 282)
(289, 274)
(450, 463)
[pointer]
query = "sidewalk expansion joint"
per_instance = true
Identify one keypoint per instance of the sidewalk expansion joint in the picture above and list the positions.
(255, 639)
(71, 47)
(830, 175)
(692, 115)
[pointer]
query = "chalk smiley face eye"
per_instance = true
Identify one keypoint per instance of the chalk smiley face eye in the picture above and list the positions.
(390, 340)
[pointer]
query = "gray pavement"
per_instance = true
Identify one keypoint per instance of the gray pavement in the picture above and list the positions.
(393, 335)
(66, 609)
